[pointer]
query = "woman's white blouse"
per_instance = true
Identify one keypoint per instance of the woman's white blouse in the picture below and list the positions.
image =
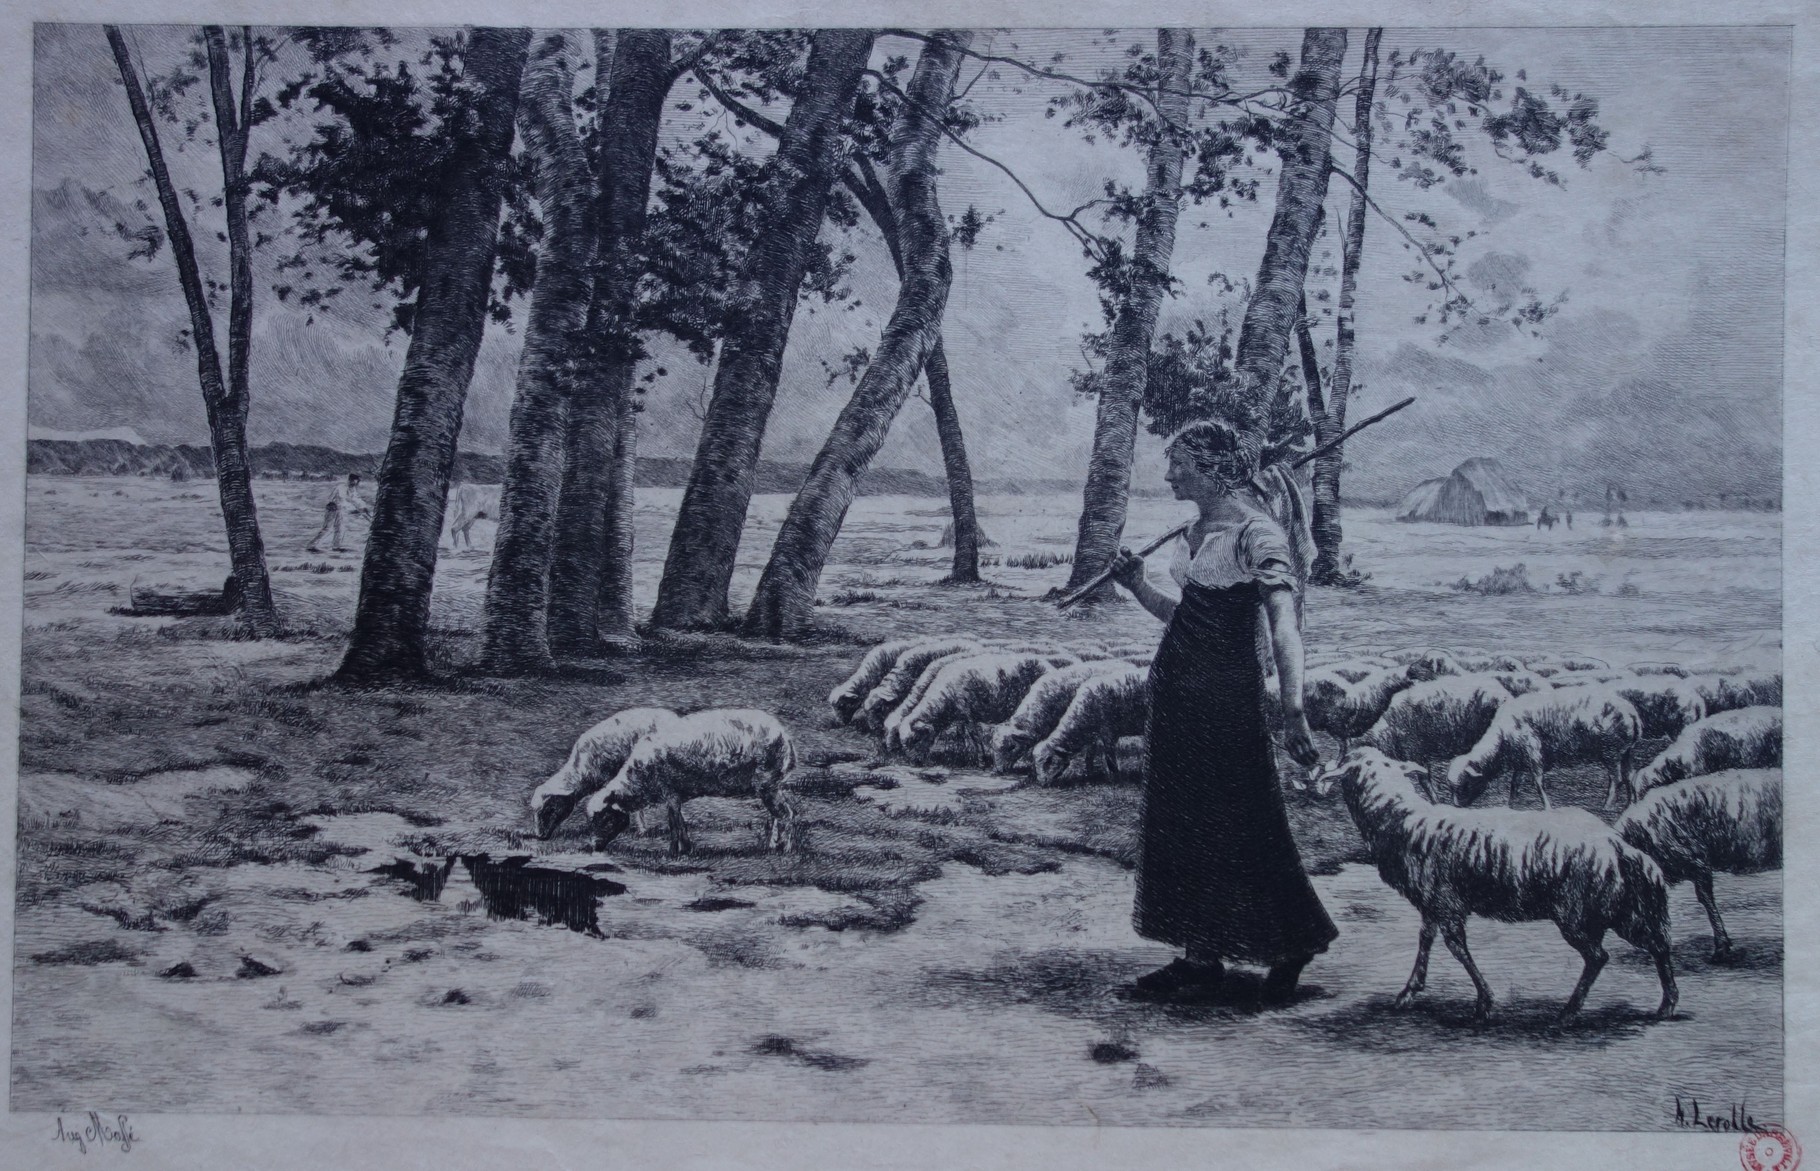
(1250, 550)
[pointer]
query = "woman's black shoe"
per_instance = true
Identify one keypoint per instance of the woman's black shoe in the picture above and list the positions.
(1179, 979)
(1280, 983)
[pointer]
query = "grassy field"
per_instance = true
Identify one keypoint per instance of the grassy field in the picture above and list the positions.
(240, 889)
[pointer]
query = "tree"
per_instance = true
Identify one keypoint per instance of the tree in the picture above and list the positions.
(795, 197)
(226, 402)
(1306, 149)
(784, 604)
(448, 319)
(1142, 284)
(1328, 410)
(591, 573)
(516, 637)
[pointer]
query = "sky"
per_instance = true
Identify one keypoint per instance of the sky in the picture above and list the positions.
(1661, 371)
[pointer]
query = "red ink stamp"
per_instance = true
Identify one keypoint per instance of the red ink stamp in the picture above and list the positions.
(1769, 1149)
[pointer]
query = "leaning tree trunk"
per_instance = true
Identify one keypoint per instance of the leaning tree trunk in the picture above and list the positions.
(966, 568)
(784, 605)
(591, 572)
(225, 403)
(798, 182)
(1306, 152)
(1108, 488)
(516, 637)
(1326, 504)
(392, 616)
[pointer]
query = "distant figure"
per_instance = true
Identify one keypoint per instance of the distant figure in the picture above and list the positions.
(1545, 520)
(467, 505)
(345, 499)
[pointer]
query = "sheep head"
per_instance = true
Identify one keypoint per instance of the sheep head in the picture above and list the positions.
(846, 706)
(1049, 763)
(1007, 745)
(548, 810)
(916, 738)
(608, 821)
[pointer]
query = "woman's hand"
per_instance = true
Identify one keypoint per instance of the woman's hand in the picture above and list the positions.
(1298, 739)
(1128, 570)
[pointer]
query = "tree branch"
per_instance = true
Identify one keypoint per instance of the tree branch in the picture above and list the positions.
(736, 107)
(1446, 281)
(689, 63)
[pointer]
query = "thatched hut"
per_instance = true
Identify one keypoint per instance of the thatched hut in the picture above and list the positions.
(1479, 492)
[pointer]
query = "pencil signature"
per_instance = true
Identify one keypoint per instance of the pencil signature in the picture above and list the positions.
(1736, 1119)
(98, 1131)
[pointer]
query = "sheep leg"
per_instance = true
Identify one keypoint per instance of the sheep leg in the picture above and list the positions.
(1418, 975)
(1703, 890)
(1627, 768)
(1542, 792)
(679, 829)
(1593, 951)
(782, 829)
(1455, 938)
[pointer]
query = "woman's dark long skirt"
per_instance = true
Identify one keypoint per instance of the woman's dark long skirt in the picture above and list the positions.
(1218, 872)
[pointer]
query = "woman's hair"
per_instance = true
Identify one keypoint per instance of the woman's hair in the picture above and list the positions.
(1218, 451)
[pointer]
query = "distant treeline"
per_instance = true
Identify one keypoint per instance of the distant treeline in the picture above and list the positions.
(298, 461)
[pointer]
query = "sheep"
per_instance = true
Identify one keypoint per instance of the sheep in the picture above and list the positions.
(846, 698)
(884, 698)
(1041, 710)
(976, 690)
(717, 753)
(1725, 693)
(1346, 708)
(1105, 707)
(1534, 733)
(912, 697)
(1477, 663)
(1663, 668)
(1510, 865)
(1549, 666)
(599, 753)
(1749, 737)
(1438, 719)
(1729, 821)
(1666, 703)
(1428, 664)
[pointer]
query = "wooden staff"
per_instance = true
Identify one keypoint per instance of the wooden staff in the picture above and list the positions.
(1105, 575)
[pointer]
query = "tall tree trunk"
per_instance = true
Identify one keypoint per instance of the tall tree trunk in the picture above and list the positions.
(1108, 488)
(799, 182)
(591, 572)
(225, 403)
(966, 567)
(1326, 504)
(1276, 305)
(784, 605)
(516, 636)
(393, 613)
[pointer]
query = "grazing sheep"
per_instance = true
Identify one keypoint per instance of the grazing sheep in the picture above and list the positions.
(1666, 703)
(1729, 821)
(1675, 669)
(1105, 707)
(1477, 663)
(1747, 737)
(920, 688)
(1347, 708)
(1438, 719)
(1429, 664)
(971, 692)
(1041, 710)
(728, 752)
(599, 753)
(883, 699)
(1511, 865)
(1725, 693)
(1551, 729)
(846, 698)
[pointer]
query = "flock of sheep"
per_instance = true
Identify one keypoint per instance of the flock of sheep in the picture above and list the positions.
(1422, 735)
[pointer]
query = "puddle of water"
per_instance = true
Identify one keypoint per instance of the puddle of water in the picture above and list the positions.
(514, 889)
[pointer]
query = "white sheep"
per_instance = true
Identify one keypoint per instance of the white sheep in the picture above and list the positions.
(1105, 708)
(1667, 704)
(1729, 821)
(717, 753)
(891, 735)
(599, 753)
(846, 698)
(1551, 729)
(1438, 719)
(1748, 737)
(1481, 662)
(1041, 709)
(1347, 708)
(969, 692)
(1511, 865)
(1725, 693)
(1429, 664)
(1657, 668)
(884, 698)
